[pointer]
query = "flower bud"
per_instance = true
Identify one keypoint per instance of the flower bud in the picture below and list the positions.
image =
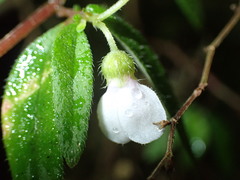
(129, 112)
(117, 65)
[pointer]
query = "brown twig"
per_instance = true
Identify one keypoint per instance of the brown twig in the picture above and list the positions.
(166, 161)
(210, 51)
(24, 28)
(68, 12)
(182, 60)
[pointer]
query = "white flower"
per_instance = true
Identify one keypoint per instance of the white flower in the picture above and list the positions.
(128, 110)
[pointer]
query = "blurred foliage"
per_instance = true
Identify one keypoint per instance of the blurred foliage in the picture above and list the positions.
(192, 9)
(212, 125)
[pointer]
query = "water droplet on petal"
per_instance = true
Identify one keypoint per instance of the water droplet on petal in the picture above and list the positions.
(115, 130)
(128, 113)
(137, 93)
(146, 103)
(134, 105)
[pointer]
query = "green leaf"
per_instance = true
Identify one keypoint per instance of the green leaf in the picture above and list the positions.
(1, 1)
(29, 129)
(44, 120)
(72, 87)
(192, 9)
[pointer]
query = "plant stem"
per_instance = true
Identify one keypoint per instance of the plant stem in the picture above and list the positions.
(44, 12)
(166, 160)
(24, 28)
(108, 35)
(210, 51)
(110, 11)
(101, 17)
(216, 42)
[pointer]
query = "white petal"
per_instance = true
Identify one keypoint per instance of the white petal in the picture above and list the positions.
(108, 117)
(139, 107)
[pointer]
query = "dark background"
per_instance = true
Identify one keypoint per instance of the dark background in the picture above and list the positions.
(212, 122)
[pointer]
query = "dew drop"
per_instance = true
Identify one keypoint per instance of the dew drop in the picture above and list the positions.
(134, 105)
(198, 147)
(30, 116)
(146, 103)
(137, 93)
(115, 130)
(13, 92)
(128, 113)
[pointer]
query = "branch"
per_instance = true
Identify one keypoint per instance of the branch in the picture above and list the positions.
(210, 51)
(110, 11)
(183, 61)
(166, 161)
(24, 28)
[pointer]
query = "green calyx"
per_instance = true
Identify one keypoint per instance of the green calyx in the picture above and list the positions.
(117, 65)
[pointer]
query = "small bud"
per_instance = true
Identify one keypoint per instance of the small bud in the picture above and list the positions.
(81, 26)
(117, 65)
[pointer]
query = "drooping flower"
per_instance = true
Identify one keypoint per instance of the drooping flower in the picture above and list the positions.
(128, 109)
